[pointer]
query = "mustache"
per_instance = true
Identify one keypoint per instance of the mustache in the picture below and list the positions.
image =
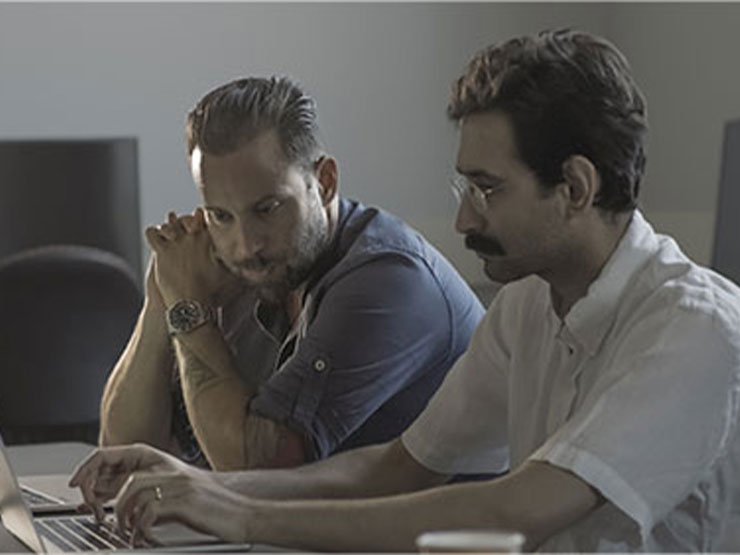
(254, 264)
(251, 264)
(484, 245)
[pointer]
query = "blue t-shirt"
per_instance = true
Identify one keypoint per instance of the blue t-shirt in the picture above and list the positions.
(384, 318)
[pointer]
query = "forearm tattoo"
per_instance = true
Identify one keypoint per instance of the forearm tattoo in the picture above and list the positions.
(195, 375)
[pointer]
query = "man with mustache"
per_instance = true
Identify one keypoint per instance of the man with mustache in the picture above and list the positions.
(605, 374)
(299, 323)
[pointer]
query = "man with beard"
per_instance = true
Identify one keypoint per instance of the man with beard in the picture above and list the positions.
(606, 372)
(302, 323)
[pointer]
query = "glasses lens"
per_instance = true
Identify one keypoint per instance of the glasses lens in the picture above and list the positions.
(462, 187)
(458, 189)
(479, 199)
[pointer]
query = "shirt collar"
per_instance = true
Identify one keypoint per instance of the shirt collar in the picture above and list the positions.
(592, 316)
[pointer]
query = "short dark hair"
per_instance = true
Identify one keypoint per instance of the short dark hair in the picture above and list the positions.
(233, 114)
(566, 92)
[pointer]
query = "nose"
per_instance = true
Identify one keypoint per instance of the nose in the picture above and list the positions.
(246, 242)
(468, 220)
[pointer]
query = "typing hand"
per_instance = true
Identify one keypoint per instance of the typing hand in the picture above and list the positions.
(187, 495)
(104, 472)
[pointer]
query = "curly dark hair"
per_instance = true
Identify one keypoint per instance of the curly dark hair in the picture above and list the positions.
(235, 113)
(566, 92)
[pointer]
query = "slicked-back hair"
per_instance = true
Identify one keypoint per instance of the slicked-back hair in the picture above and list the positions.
(233, 114)
(566, 93)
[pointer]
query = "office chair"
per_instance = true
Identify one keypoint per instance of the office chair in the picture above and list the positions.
(66, 312)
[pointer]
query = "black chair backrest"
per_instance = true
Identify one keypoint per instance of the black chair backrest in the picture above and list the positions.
(66, 312)
(726, 248)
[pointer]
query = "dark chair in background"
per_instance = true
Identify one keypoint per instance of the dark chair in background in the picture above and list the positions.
(726, 248)
(66, 313)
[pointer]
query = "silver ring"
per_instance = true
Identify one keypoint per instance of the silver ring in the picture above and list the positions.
(158, 493)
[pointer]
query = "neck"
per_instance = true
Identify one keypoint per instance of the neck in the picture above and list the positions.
(582, 265)
(294, 303)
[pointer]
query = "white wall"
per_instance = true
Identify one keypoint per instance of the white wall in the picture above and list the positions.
(380, 74)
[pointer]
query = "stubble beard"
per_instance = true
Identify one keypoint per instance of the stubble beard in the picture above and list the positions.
(304, 255)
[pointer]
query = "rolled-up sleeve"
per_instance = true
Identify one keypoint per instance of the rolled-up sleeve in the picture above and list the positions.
(378, 328)
(656, 431)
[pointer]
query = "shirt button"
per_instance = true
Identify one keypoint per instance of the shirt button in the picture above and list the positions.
(319, 365)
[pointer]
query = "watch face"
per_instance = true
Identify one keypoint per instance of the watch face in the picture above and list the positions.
(185, 315)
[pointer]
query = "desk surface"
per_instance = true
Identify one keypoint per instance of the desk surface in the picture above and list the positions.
(47, 458)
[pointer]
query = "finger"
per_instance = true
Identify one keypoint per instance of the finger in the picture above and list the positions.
(175, 224)
(87, 466)
(102, 466)
(129, 526)
(137, 489)
(154, 238)
(86, 509)
(200, 217)
(99, 513)
(167, 232)
(189, 223)
(85, 478)
(146, 518)
(124, 505)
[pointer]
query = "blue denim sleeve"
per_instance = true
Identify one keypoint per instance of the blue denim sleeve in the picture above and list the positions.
(383, 327)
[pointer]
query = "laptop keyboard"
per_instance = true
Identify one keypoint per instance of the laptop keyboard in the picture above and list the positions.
(35, 498)
(83, 533)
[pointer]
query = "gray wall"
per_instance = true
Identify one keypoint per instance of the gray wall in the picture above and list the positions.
(685, 57)
(380, 73)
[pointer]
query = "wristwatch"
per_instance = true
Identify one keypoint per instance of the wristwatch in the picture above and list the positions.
(186, 315)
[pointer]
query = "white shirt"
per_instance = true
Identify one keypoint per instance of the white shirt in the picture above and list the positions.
(636, 391)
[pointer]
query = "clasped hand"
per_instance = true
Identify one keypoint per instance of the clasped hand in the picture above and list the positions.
(184, 263)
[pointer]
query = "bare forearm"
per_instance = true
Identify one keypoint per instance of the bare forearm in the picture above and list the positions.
(215, 396)
(537, 500)
(136, 403)
(378, 524)
(365, 472)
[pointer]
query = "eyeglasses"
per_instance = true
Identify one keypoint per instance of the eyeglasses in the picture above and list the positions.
(463, 187)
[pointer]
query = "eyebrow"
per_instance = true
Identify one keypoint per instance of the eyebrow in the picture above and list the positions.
(211, 207)
(476, 173)
(267, 198)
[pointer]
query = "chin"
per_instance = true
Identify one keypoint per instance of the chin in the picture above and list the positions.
(268, 295)
(272, 292)
(501, 274)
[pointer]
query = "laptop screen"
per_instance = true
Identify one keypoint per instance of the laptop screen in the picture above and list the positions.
(14, 512)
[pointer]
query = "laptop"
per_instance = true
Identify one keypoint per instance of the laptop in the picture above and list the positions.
(70, 532)
(43, 494)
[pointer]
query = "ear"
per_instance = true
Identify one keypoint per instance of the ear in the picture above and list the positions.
(327, 174)
(582, 183)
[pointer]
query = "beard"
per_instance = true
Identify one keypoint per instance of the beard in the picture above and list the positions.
(306, 250)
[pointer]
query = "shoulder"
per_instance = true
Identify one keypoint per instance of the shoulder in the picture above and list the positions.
(673, 287)
(374, 244)
(370, 232)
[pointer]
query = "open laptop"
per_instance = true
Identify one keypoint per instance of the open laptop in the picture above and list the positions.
(77, 532)
(49, 494)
